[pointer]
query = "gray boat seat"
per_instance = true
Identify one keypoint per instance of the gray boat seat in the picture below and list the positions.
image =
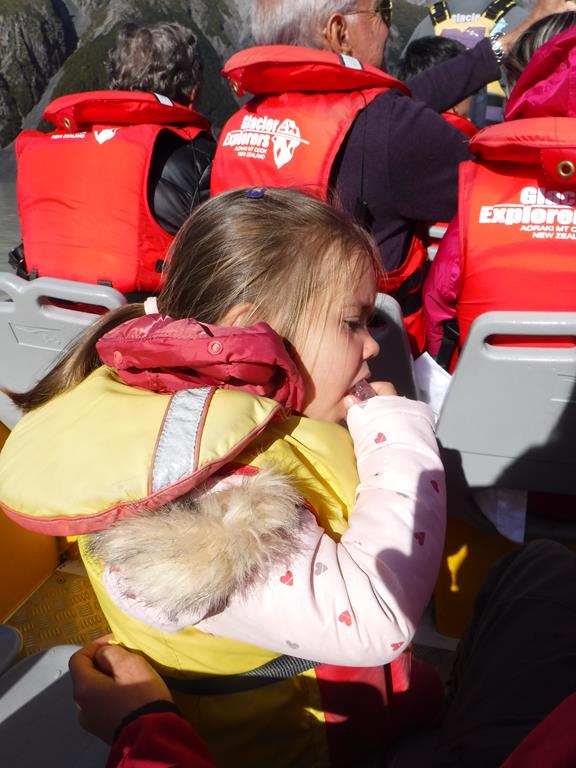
(509, 418)
(394, 362)
(38, 718)
(10, 646)
(34, 332)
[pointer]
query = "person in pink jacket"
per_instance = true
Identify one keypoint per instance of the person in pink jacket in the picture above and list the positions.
(541, 67)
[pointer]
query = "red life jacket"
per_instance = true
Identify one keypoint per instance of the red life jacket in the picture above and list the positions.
(290, 133)
(82, 189)
(463, 124)
(437, 230)
(517, 216)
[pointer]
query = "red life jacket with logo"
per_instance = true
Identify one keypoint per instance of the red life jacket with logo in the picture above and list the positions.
(83, 188)
(517, 217)
(290, 133)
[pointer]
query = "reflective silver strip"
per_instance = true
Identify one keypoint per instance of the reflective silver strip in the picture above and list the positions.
(350, 61)
(164, 100)
(176, 447)
(437, 230)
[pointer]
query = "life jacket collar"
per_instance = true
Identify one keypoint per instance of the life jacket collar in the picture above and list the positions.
(161, 354)
(548, 142)
(292, 68)
(80, 111)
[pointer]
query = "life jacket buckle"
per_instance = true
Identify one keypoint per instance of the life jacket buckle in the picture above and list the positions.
(18, 263)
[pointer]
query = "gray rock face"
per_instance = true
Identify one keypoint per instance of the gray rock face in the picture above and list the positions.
(9, 113)
(61, 45)
(35, 40)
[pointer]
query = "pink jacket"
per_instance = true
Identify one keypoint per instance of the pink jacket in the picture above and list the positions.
(546, 88)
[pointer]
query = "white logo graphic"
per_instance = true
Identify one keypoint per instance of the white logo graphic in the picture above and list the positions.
(256, 134)
(285, 141)
(105, 135)
(546, 213)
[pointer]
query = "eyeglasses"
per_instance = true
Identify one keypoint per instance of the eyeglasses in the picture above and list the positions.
(383, 9)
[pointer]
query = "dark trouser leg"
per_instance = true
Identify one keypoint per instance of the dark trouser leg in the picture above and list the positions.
(517, 660)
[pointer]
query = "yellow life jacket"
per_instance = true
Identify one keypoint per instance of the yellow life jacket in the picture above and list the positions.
(105, 449)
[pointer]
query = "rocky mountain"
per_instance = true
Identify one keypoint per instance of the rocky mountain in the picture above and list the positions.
(52, 47)
(35, 40)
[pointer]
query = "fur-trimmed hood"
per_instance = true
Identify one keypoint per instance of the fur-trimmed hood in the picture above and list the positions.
(190, 556)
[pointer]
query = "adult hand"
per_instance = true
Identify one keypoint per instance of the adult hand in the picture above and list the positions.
(548, 7)
(541, 9)
(109, 683)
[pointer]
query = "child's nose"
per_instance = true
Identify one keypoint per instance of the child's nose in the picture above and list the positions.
(371, 347)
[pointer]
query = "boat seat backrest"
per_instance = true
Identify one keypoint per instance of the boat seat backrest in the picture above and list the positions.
(394, 362)
(38, 718)
(34, 331)
(510, 413)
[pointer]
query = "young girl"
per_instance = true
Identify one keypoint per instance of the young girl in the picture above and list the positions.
(267, 560)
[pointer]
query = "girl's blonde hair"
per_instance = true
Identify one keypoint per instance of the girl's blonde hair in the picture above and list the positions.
(278, 252)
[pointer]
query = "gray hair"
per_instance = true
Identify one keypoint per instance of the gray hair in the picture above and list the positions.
(535, 36)
(295, 22)
(163, 58)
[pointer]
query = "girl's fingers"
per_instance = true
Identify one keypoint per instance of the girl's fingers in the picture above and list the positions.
(383, 388)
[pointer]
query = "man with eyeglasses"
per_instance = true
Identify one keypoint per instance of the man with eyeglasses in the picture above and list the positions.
(340, 128)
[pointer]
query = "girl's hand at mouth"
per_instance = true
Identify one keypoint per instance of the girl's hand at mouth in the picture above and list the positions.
(363, 390)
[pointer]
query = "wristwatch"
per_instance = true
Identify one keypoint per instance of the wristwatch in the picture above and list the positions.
(497, 47)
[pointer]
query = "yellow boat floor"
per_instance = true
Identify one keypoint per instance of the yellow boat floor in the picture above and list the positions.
(62, 610)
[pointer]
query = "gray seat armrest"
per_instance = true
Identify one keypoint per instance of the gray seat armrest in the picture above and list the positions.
(38, 718)
(34, 332)
(10, 646)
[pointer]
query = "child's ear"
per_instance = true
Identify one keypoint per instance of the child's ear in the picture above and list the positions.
(238, 316)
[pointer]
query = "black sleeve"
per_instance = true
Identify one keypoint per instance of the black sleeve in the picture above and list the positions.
(446, 84)
(161, 705)
(424, 153)
(179, 178)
